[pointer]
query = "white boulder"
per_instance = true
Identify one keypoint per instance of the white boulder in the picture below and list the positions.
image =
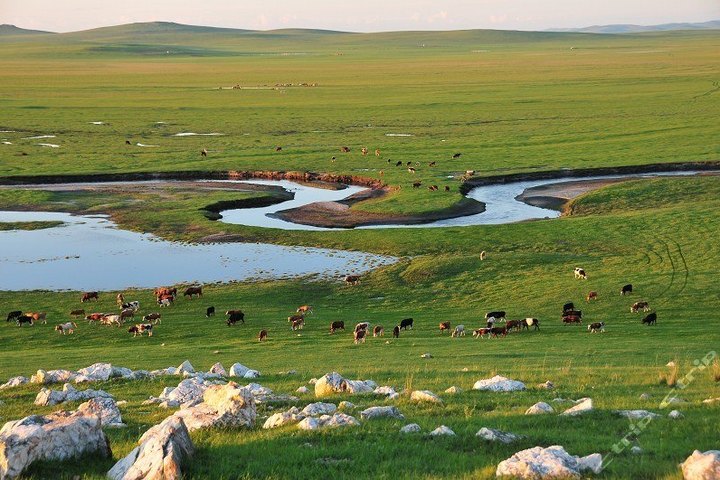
(161, 453)
(53, 376)
(238, 370)
(539, 409)
(326, 421)
(359, 386)
(636, 414)
(106, 409)
(218, 369)
(329, 384)
(454, 390)
(545, 463)
(498, 383)
(302, 390)
(384, 390)
(411, 428)
(283, 418)
(702, 465)
(442, 430)
(492, 435)
(97, 372)
(319, 408)
(381, 412)
(223, 406)
(675, 415)
(14, 382)
(185, 367)
(425, 396)
(583, 405)
(58, 436)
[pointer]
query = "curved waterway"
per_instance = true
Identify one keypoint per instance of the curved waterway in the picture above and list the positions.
(91, 253)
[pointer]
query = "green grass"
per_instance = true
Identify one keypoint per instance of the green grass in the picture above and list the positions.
(510, 102)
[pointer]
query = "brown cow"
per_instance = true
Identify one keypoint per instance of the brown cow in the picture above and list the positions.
(305, 309)
(637, 306)
(444, 326)
(362, 326)
(155, 318)
(364, 151)
(298, 324)
(377, 152)
(295, 317)
(89, 295)
(352, 279)
(94, 317)
(37, 316)
(591, 296)
(481, 332)
(77, 313)
(360, 336)
(514, 324)
(396, 331)
(568, 319)
(495, 331)
(339, 325)
(127, 313)
(262, 335)
(378, 331)
(345, 149)
(190, 291)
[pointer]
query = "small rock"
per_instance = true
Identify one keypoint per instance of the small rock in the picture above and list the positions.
(454, 390)
(14, 382)
(302, 390)
(218, 369)
(425, 396)
(411, 428)
(426, 355)
(675, 415)
(319, 408)
(547, 385)
(493, 435)
(635, 450)
(386, 390)
(702, 466)
(583, 406)
(645, 396)
(442, 430)
(499, 383)
(465, 369)
(711, 400)
(381, 412)
(169, 404)
(636, 414)
(539, 409)
(312, 381)
(238, 370)
(185, 367)
(344, 405)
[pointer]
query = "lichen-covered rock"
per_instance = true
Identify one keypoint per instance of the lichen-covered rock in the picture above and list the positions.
(636, 414)
(218, 369)
(384, 390)
(425, 396)
(302, 390)
(381, 412)
(454, 390)
(185, 367)
(223, 406)
(411, 428)
(492, 435)
(327, 421)
(675, 415)
(319, 408)
(238, 370)
(53, 376)
(345, 405)
(545, 463)
(58, 436)
(187, 390)
(283, 418)
(47, 396)
(106, 409)
(583, 405)
(329, 384)
(702, 465)
(14, 382)
(499, 383)
(160, 455)
(100, 372)
(359, 386)
(539, 409)
(547, 385)
(442, 430)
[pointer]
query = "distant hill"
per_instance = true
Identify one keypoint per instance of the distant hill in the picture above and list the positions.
(628, 28)
(6, 29)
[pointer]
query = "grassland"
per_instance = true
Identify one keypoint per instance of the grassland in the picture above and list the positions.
(510, 103)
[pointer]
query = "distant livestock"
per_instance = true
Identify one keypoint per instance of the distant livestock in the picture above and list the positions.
(362, 326)
(352, 279)
(531, 322)
(626, 289)
(13, 315)
(235, 316)
(650, 319)
(481, 332)
(190, 291)
(378, 331)
(406, 323)
(456, 155)
(298, 324)
(209, 312)
(495, 331)
(396, 331)
(568, 306)
(591, 296)
(500, 314)
(360, 336)
(37, 316)
(141, 328)
(444, 326)
(580, 273)
(305, 309)
(77, 313)
(65, 328)
(637, 306)
(459, 331)
(597, 327)
(153, 318)
(86, 296)
(339, 325)
(262, 335)
(23, 319)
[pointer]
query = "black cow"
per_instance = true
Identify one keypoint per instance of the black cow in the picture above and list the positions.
(495, 331)
(626, 289)
(235, 317)
(339, 325)
(396, 331)
(405, 323)
(13, 315)
(497, 315)
(568, 306)
(531, 322)
(209, 312)
(24, 319)
(650, 319)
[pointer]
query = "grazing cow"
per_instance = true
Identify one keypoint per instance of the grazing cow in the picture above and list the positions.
(650, 319)
(568, 307)
(66, 328)
(495, 331)
(490, 322)
(19, 321)
(580, 273)
(127, 142)
(456, 156)
(94, 317)
(396, 331)
(637, 306)
(434, 188)
(333, 159)
(567, 319)
(531, 322)
(459, 331)
(514, 324)
(165, 301)
(411, 169)
(120, 299)
(111, 320)
(190, 291)
(626, 289)
(304, 309)
(77, 313)
(591, 296)
(498, 315)
(378, 331)
(338, 325)
(127, 313)
(432, 164)
(597, 327)
(377, 152)
(203, 152)
(89, 295)
(360, 336)
(364, 151)
(345, 149)
(398, 163)
(408, 164)
(13, 315)
(165, 291)
(405, 323)
(262, 335)
(483, 255)
(481, 332)
(295, 317)
(362, 326)
(235, 316)
(153, 318)
(134, 305)
(37, 316)
(417, 184)
(278, 149)
(352, 279)
(140, 328)
(447, 188)
(444, 326)
(298, 324)
(209, 312)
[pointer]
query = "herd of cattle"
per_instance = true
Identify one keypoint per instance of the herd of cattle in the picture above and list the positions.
(166, 297)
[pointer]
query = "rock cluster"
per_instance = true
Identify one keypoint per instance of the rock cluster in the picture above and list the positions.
(551, 462)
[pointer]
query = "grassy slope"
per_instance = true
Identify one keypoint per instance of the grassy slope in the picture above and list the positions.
(607, 102)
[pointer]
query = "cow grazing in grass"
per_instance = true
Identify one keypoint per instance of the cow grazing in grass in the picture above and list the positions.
(459, 331)
(94, 317)
(499, 315)
(165, 301)
(637, 306)
(377, 152)
(495, 331)
(345, 149)
(483, 255)
(127, 313)
(568, 306)
(481, 332)
(111, 320)
(531, 322)
(209, 312)
(364, 151)
(456, 156)
(514, 325)
(580, 273)
(568, 319)
(339, 325)
(626, 289)
(406, 323)
(305, 309)
(278, 149)
(432, 164)
(235, 316)
(13, 315)
(411, 169)
(378, 331)
(153, 318)
(262, 335)
(447, 188)
(591, 296)
(396, 331)
(398, 163)
(650, 319)
(119, 299)
(140, 328)
(190, 291)
(444, 326)
(23, 319)
(295, 317)
(38, 317)
(417, 184)
(362, 326)
(352, 279)
(65, 328)
(203, 152)
(77, 313)
(165, 291)
(597, 327)
(86, 296)
(134, 305)
(298, 324)
(360, 335)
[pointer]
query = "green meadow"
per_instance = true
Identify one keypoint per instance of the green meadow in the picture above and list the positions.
(509, 102)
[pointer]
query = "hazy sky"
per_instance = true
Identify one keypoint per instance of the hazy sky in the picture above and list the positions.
(355, 15)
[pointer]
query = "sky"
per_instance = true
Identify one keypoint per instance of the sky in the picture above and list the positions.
(355, 15)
